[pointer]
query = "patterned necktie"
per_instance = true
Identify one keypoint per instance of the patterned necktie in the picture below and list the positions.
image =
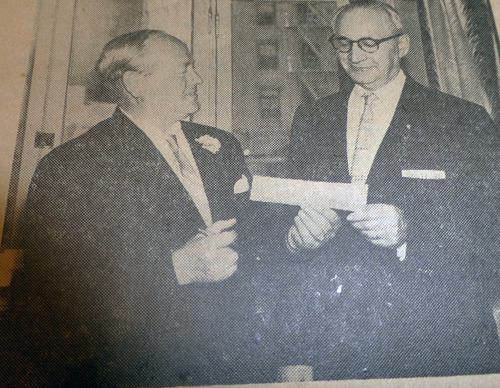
(186, 167)
(359, 169)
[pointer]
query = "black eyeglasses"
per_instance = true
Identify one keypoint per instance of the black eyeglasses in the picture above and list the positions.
(370, 45)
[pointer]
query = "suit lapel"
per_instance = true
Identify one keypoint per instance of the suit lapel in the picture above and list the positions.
(331, 142)
(213, 171)
(384, 179)
(152, 170)
(205, 159)
(393, 150)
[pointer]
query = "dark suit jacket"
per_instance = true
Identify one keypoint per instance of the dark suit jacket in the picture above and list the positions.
(367, 314)
(104, 212)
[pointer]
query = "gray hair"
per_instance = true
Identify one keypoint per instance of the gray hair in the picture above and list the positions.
(126, 53)
(369, 4)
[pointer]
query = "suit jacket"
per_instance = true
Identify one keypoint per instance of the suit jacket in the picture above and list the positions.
(367, 314)
(103, 215)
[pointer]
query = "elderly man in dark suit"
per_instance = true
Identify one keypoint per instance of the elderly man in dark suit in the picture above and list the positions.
(397, 288)
(131, 275)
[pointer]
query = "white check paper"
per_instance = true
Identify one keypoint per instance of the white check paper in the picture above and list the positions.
(341, 196)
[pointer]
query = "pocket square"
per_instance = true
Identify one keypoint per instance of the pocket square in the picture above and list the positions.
(424, 174)
(241, 185)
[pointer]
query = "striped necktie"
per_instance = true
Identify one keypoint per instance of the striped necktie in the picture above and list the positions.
(185, 166)
(359, 169)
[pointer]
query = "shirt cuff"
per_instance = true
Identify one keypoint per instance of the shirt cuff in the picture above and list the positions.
(401, 252)
(290, 243)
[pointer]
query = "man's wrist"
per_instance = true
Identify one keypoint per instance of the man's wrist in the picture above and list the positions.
(401, 252)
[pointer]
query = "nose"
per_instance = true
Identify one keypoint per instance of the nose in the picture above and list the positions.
(356, 54)
(193, 77)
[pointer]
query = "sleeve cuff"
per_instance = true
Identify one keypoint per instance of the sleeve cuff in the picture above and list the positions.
(401, 252)
(290, 244)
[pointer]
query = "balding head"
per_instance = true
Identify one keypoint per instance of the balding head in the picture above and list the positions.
(130, 52)
(152, 75)
(377, 6)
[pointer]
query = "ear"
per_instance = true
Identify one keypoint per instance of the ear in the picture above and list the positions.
(133, 83)
(403, 45)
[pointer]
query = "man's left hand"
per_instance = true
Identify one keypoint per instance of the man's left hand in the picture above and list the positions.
(383, 225)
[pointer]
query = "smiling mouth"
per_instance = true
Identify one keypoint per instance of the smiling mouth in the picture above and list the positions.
(358, 68)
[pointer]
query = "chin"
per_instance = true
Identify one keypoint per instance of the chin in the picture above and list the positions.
(190, 98)
(362, 79)
(192, 106)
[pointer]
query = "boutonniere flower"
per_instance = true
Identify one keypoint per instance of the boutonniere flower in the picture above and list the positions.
(209, 143)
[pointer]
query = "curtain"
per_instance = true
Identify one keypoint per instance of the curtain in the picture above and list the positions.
(462, 53)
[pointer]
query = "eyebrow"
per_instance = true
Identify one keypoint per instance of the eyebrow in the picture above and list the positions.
(353, 40)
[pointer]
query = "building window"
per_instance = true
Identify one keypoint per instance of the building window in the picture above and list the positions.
(269, 102)
(44, 140)
(309, 58)
(306, 15)
(266, 14)
(267, 53)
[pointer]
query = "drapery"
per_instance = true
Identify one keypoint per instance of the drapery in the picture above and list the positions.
(462, 50)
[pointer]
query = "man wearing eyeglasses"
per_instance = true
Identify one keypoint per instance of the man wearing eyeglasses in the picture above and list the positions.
(394, 289)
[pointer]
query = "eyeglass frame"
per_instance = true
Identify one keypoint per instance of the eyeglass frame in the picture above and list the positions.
(351, 42)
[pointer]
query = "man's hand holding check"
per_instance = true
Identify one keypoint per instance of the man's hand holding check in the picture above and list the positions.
(207, 257)
(313, 228)
(383, 225)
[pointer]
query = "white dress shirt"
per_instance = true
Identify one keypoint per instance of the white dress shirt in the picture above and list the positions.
(383, 108)
(159, 138)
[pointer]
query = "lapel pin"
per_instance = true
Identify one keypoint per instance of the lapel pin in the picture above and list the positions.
(408, 126)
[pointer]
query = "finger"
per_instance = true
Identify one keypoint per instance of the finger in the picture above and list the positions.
(381, 238)
(308, 229)
(226, 257)
(308, 240)
(294, 239)
(219, 240)
(381, 242)
(228, 271)
(369, 212)
(317, 224)
(221, 225)
(221, 273)
(326, 214)
(302, 231)
(373, 234)
(315, 216)
(223, 264)
(332, 216)
(358, 215)
(374, 211)
(368, 225)
(220, 258)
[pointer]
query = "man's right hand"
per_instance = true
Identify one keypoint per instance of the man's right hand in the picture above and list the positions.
(207, 257)
(313, 228)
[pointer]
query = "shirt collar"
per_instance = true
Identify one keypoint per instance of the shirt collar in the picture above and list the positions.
(392, 88)
(152, 131)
